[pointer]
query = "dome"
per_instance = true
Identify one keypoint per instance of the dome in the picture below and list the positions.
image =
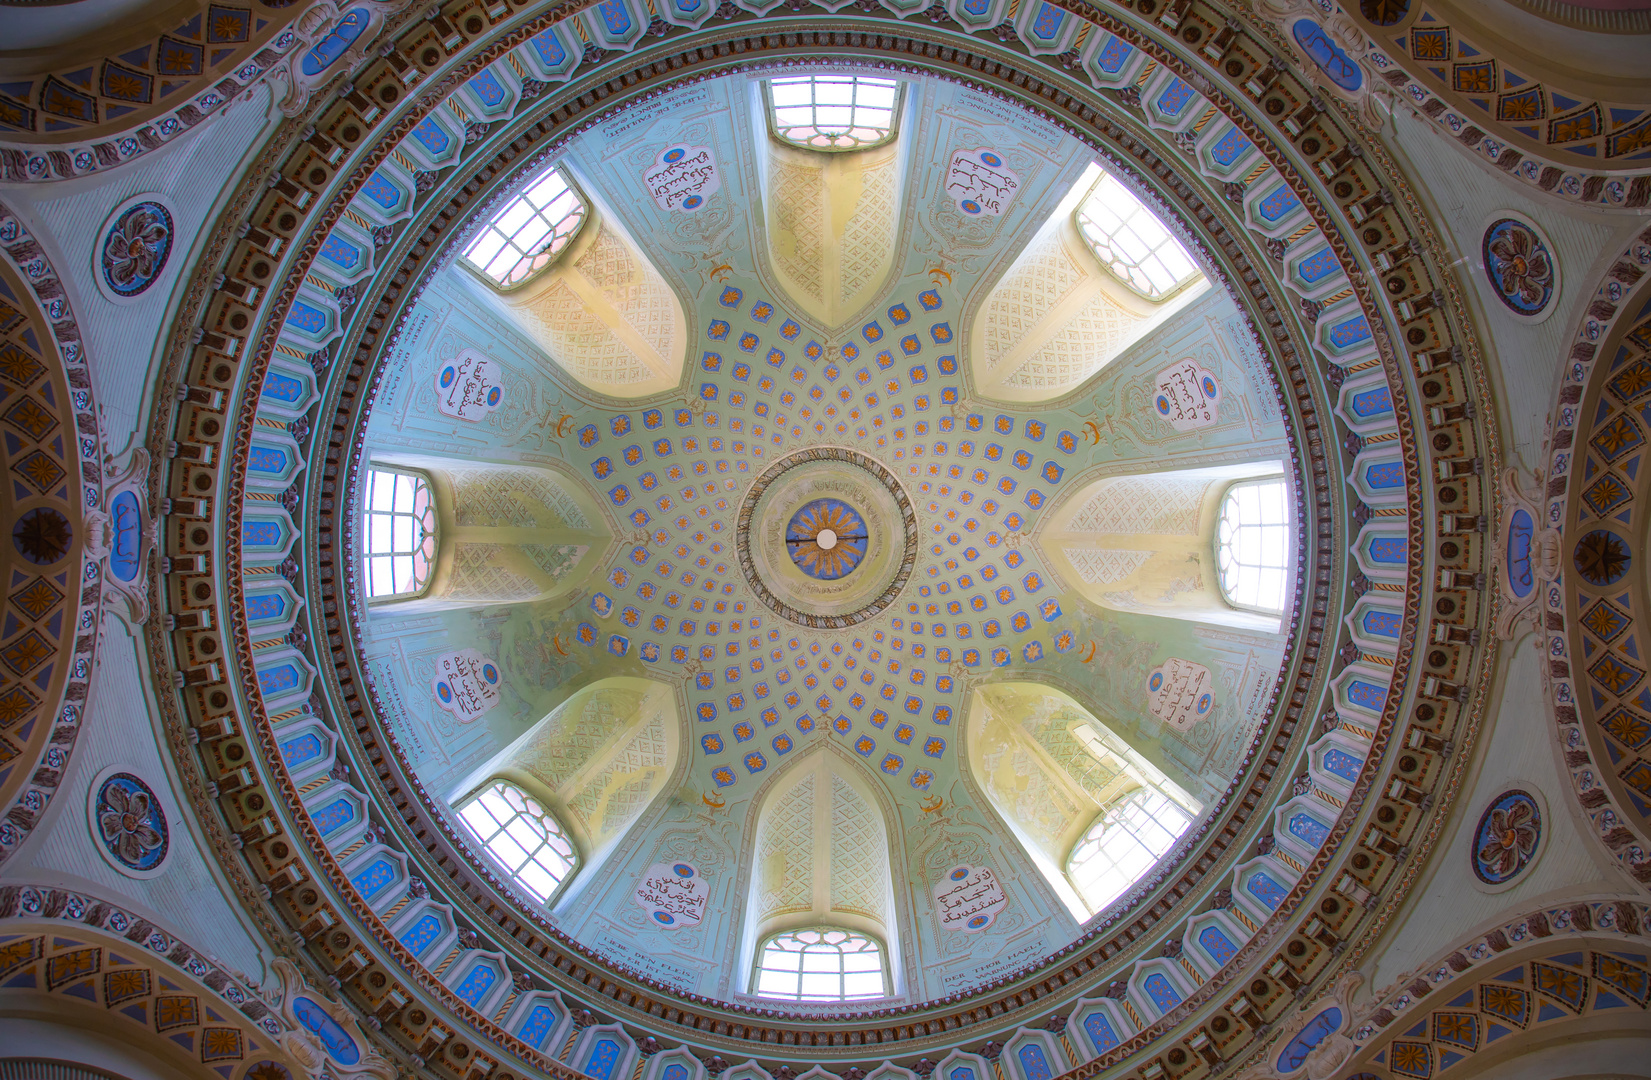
(839, 546)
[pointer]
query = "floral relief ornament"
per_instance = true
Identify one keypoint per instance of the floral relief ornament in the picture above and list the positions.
(136, 245)
(1520, 266)
(1507, 837)
(124, 823)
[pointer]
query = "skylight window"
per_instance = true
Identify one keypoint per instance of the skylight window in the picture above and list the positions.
(1252, 545)
(1131, 242)
(833, 112)
(528, 233)
(523, 836)
(1123, 844)
(824, 963)
(398, 520)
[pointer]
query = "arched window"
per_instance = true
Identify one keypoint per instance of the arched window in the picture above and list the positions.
(1252, 545)
(528, 233)
(833, 112)
(398, 519)
(1131, 242)
(1123, 844)
(823, 963)
(523, 836)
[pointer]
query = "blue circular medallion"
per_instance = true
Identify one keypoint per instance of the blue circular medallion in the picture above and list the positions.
(827, 539)
(129, 821)
(989, 158)
(675, 154)
(1519, 265)
(683, 870)
(1505, 841)
(135, 249)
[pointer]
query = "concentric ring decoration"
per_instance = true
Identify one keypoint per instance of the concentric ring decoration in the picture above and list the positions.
(876, 473)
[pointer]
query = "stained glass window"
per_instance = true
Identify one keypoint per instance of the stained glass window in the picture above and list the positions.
(1131, 241)
(824, 963)
(523, 836)
(1252, 545)
(398, 520)
(528, 233)
(833, 112)
(1123, 844)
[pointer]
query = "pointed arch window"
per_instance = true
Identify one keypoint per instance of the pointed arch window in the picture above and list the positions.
(1122, 844)
(398, 518)
(821, 963)
(528, 233)
(1131, 242)
(524, 837)
(1252, 545)
(833, 112)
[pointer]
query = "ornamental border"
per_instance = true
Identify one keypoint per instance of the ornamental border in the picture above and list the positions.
(1598, 322)
(34, 797)
(742, 532)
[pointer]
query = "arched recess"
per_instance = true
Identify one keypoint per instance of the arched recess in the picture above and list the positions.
(832, 216)
(1051, 768)
(102, 1007)
(45, 506)
(1570, 992)
(1146, 542)
(504, 533)
(601, 311)
(1057, 316)
(820, 857)
(596, 762)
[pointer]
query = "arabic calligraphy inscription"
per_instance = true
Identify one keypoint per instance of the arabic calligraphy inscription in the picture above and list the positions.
(969, 898)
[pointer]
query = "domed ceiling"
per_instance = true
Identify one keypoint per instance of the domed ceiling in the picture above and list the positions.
(827, 542)
(830, 538)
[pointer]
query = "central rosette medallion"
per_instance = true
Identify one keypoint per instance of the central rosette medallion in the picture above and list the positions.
(827, 537)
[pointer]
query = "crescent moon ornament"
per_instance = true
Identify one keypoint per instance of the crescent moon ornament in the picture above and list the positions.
(1093, 430)
(562, 423)
(936, 273)
(1091, 654)
(721, 271)
(556, 640)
